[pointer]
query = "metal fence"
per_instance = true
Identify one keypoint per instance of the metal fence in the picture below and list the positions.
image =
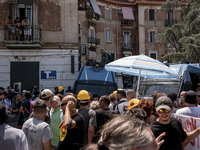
(14, 33)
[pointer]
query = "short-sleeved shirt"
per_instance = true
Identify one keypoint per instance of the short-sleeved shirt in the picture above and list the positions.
(174, 137)
(12, 138)
(104, 56)
(89, 116)
(189, 111)
(37, 132)
(55, 121)
(75, 137)
(26, 104)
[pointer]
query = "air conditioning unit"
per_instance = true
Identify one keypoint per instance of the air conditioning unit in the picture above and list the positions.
(119, 11)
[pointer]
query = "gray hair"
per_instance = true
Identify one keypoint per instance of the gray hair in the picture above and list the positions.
(102, 49)
(124, 132)
(94, 105)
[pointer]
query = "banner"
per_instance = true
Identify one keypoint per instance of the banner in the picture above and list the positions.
(190, 124)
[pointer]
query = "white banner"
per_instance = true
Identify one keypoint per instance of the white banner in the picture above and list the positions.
(190, 124)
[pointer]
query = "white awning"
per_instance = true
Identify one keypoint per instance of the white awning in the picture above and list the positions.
(128, 13)
(95, 7)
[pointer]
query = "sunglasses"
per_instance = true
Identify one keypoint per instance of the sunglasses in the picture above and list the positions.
(163, 111)
(63, 104)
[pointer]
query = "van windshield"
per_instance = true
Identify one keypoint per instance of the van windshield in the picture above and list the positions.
(96, 89)
(148, 87)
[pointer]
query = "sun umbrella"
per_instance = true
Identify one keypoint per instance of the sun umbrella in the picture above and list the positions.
(142, 66)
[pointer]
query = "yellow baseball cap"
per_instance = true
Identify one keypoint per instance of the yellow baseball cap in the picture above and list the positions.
(115, 92)
(60, 88)
(133, 103)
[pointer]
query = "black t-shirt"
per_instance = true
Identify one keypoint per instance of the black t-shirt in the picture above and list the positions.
(103, 115)
(75, 137)
(17, 22)
(174, 137)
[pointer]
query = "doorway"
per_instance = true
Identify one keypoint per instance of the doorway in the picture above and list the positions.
(25, 72)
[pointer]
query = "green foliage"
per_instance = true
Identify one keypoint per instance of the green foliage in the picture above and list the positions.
(184, 35)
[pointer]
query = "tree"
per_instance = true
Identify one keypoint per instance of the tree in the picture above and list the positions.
(184, 35)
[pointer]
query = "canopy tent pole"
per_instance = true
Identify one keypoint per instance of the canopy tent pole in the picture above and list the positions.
(138, 84)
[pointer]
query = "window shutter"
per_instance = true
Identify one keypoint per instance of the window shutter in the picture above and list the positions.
(151, 14)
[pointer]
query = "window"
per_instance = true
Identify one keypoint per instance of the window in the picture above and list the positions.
(153, 55)
(170, 15)
(91, 35)
(152, 37)
(126, 40)
(151, 14)
(79, 32)
(108, 14)
(108, 36)
(21, 10)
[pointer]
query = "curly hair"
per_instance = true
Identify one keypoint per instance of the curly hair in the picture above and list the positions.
(147, 105)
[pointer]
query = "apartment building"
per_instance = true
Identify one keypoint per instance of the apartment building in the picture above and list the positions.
(44, 53)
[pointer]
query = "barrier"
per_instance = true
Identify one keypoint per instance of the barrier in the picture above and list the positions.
(190, 124)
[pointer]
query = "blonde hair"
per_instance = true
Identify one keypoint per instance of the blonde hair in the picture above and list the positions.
(94, 105)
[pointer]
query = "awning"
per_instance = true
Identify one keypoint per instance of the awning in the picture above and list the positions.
(128, 13)
(95, 7)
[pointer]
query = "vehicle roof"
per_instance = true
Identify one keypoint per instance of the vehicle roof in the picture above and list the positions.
(88, 73)
(181, 68)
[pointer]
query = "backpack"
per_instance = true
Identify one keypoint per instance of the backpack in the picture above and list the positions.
(31, 107)
(109, 57)
(116, 105)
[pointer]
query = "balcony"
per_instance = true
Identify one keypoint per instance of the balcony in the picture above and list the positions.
(90, 14)
(170, 22)
(23, 37)
(93, 41)
(127, 23)
(127, 46)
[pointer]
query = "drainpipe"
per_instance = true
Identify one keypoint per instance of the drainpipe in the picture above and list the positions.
(117, 32)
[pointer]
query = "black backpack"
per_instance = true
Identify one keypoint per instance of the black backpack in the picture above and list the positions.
(116, 105)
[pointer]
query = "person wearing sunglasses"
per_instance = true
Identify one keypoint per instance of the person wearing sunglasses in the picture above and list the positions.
(72, 132)
(175, 135)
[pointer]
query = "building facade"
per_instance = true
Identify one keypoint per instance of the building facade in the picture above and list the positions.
(43, 53)
(64, 35)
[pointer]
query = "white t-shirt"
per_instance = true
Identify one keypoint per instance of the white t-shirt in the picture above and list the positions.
(12, 138)
(111, 105)
(122, 106)
(189, 111)
(37, 133)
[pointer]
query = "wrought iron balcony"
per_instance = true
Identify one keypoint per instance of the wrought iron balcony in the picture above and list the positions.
(23, 37)
(125, 23)
(170, 22)
(127, 46)
(92, 40)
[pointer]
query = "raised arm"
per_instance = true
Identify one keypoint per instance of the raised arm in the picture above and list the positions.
(68, 122)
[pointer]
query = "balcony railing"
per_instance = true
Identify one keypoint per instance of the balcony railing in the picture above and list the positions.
(126, 22)
(170, 22)
(92, 40)
(127, 46)
(22, 34)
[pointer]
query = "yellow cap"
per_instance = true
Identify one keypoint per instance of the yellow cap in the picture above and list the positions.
(60, 88)
(133, 103)
(115, 92)
(83, 95)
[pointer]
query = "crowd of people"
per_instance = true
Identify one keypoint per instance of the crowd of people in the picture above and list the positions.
(17, 28)
(61, 121)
